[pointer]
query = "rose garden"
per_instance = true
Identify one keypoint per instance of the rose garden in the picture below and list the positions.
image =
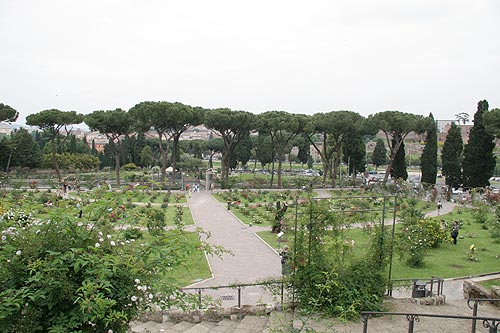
(85, 249)
(99, 258)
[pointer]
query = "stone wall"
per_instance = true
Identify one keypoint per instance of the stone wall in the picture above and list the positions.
(472, 289)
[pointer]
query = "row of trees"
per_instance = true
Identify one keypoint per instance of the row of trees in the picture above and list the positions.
(336, 136)
(472, 165)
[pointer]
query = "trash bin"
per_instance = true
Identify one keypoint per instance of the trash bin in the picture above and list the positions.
(419, 289)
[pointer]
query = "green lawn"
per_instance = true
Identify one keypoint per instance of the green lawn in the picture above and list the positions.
(446, 261)
(272, 239)
(490, 283)
(187, 218)
(196, 268)
(103, 206)
(146, 196)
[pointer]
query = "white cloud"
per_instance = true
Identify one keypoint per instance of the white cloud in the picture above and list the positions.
(365, 56)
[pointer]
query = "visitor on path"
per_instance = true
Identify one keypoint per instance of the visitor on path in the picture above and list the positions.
(439, 205)
(454, 232)
(284, 260)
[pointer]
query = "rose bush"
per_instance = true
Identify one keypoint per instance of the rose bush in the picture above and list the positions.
(65, 274)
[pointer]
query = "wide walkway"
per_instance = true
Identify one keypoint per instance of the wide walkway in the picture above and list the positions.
(249, 260)
(252, 260)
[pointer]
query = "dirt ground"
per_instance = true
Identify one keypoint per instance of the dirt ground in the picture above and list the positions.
(389, 324)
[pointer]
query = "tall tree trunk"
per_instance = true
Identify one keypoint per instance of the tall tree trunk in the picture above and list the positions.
(210, 160)
(272, 171)
(54, 162)
(163, 157)
(225, 167)
(280, 164)
(174, 153)
(394, 151)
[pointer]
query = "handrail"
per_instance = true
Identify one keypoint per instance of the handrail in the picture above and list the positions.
(235, 285)
(432, 280)
(488, 322)
(238, 287)
(474, 308)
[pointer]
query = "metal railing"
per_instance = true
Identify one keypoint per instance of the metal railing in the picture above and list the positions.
(488, 322)
(435, 283)
(474, 307)
(255, 288)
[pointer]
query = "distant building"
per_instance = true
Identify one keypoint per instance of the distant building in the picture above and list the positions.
(465, 130)
(5, 129)
(100, 140)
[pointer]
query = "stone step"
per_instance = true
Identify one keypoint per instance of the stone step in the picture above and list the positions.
(150, 327)
(252, 324)
(249, 324)
(225, 325)
(204, 326)
(183, 326)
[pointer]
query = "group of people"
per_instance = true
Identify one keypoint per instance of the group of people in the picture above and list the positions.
(189, 190)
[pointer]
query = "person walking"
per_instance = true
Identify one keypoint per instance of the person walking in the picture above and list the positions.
(454, 232)
(284, 261)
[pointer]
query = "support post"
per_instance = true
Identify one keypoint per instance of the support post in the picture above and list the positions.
(239, 296)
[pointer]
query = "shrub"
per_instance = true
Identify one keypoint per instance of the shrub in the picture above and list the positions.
(480, 214)
(130, 166)
(493, 226)
(417, 236)
(62, 276)
(71, 279)
(327, 281)
(132, 233)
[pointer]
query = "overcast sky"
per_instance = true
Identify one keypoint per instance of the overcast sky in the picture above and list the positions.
(417, 56)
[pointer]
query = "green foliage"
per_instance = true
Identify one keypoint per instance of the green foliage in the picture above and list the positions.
(52, 122)
(491, 121)
(189, 163)
(379, 156)
(66, 161)
(493, 225)
(114, 124)
(471, 253)
(325, 277)
(335, 128)
(396, 126)
(398, 170)
(130, 166)
(59, 274)
(354, 152)
(452, 156)
(479, 161)
(8, 113)
(178, 215)
(282, 128)
(418, 235)
(169, 120)
(232, 127)
(21, 150)
(481, 214)
(428, 159)
(155, 220)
